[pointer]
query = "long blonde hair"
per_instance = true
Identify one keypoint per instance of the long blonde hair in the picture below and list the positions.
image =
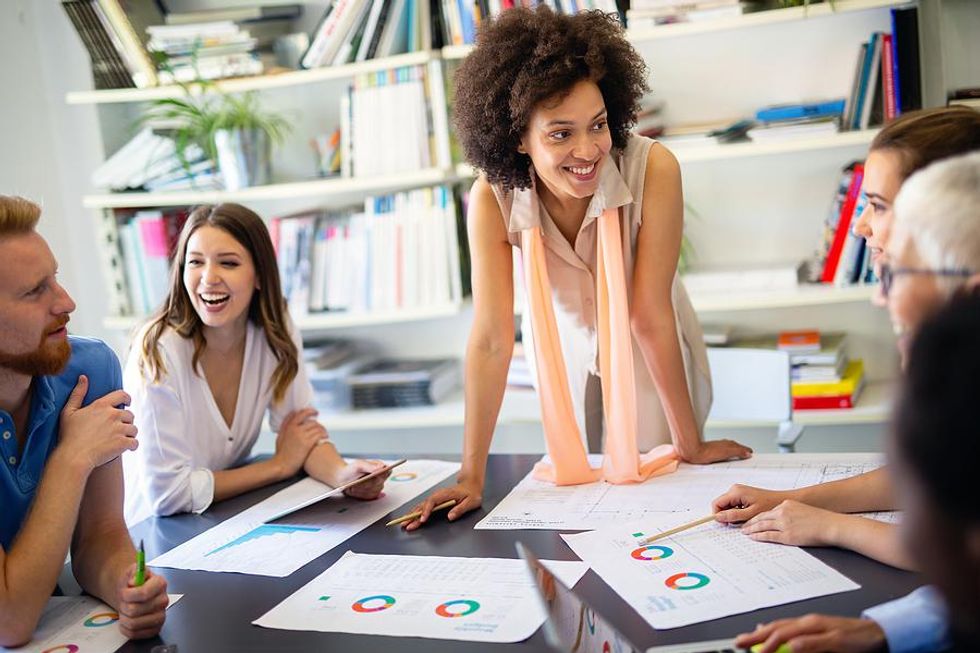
(267, 308)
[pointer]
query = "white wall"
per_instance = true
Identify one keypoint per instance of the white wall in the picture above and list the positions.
(47, 149)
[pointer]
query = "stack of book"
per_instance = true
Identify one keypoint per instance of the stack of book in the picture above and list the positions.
(887, 80)
(649, 13)
(843, 257)
(150, 161)
(328, 365)
(401, 252)
(392, 383)
(395, 121)
(264, 22)
(203, 51)
(822, 375)
(967, 97)
(789, 121)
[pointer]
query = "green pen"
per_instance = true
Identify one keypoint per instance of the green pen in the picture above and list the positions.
(140, 566)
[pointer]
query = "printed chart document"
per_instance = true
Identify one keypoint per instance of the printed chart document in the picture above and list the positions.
(534, 504)
(706, 573)
(247, 545)
(77, 624)
(471, 599)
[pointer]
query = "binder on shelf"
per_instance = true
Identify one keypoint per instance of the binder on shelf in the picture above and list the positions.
(905, 32)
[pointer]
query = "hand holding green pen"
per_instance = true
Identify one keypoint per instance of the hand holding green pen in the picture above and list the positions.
(140, 566)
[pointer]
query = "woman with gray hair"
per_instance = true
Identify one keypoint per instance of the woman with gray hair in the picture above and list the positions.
(934, 249)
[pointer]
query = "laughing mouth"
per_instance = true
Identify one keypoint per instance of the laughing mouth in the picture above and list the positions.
(214, 299)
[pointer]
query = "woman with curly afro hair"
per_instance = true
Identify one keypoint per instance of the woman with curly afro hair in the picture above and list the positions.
(544, 107)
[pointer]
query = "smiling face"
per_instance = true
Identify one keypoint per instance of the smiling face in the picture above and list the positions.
(568, 140)
(34, 307)
(219, 277)
(882, 180)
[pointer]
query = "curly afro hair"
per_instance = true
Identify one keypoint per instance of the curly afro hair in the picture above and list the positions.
(526, 56)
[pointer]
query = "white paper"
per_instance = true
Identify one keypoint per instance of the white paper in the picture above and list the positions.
(534, 504)
(246, 545)
(470, 599)
(706, 573)
(77, 624)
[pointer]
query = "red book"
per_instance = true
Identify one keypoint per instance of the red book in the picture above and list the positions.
(798, 340)
(823, 403)
(888, 77)
(843, 225)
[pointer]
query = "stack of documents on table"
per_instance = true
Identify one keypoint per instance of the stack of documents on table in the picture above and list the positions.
(471, 599)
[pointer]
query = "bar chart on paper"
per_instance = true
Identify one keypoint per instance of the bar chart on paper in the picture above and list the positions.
(246, 544)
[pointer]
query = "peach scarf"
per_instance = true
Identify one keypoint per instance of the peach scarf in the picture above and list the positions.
(569, 462)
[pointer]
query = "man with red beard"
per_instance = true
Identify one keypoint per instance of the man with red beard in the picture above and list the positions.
(62, 431)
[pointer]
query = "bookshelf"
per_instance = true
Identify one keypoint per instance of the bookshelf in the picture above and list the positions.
(260, 83)
(521, 407)
(759, 199)
(317, 322)
(755, 19)
(333, 189)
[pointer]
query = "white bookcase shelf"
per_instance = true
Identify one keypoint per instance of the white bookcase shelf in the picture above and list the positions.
(326, 321)
(802, 296)
(313, 189)
(257, 83)
(521, 406)
(757, 18)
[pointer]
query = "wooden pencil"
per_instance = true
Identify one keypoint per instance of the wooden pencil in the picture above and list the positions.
(673, 531)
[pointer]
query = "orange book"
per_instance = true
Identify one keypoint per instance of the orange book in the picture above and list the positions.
(797, 341)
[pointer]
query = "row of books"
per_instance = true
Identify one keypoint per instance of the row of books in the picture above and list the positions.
(843, 257)
(400, 252)
(395, 121)
(650, 13)
(887, 79)
(146, 241)
(345, 376)
(114, 39)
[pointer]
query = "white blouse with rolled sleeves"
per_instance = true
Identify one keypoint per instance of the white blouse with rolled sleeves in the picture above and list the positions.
(182, 435)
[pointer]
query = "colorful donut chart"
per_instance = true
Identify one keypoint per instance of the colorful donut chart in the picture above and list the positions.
(361, 604)
(674, 582)
(62, 648)
(101, 619)
(652, 552)
(403, 476)
(470, 607)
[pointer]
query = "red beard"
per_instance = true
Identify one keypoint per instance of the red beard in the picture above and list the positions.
(49, 357)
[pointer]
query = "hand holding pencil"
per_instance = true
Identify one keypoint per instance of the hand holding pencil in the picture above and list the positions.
(467, 495)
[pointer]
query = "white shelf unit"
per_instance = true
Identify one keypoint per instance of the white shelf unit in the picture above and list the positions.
(755, 19)
(257, 83)
(317, 322)
(315, 189)
(521, 406)
(790, 29)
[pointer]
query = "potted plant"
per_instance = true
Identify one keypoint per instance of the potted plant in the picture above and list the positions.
(231, 130)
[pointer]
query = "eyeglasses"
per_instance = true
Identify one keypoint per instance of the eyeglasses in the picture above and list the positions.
(888, 274)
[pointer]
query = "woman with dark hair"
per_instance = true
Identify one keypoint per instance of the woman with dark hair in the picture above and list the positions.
(814, 516)
(218, 354)
(544, 106)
